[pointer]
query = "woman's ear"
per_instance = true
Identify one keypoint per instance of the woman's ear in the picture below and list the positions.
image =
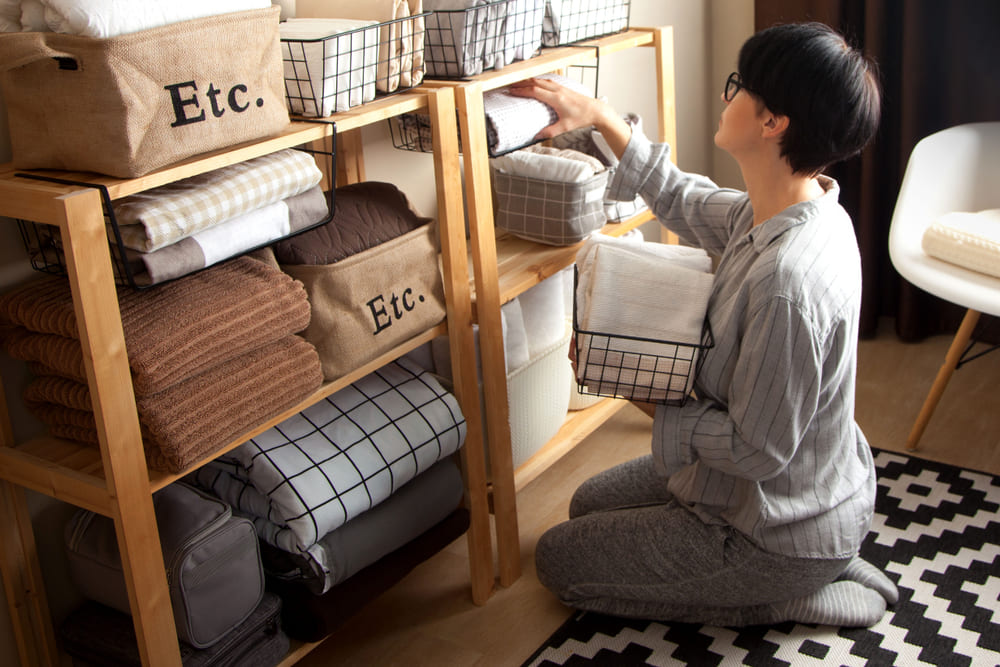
(774, 125)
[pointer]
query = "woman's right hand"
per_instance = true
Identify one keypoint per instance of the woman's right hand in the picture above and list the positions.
(575, 110)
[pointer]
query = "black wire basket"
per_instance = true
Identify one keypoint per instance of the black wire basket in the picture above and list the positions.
(635, 368)
(335, 73)
(571, 21)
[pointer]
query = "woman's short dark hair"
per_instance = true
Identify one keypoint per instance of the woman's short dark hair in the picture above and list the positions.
(828, 90)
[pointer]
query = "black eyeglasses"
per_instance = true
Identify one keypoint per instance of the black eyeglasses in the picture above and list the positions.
(734, 84)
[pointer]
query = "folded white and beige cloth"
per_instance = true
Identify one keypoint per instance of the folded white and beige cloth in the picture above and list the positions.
(401, 39)
(967, 239)
(109, 18)
(231, 238)
(642, 308)
(329, 64)
(160, 216)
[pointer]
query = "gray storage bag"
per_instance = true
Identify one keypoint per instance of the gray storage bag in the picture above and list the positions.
(212, 559)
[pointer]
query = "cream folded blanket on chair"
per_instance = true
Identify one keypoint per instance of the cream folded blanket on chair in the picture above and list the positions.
(646, 304)
(969, 240)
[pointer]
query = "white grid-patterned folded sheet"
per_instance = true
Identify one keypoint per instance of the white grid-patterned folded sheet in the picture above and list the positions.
(347, 453)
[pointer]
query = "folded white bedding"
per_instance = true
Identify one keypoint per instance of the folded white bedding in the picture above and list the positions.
(968, 239)
(329, 64)
(109, 18)
(651, 291)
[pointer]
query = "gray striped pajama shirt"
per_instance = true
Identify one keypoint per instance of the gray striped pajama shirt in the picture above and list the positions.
(770, 446)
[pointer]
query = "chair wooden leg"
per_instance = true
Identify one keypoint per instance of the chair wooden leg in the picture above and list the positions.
(958, 345)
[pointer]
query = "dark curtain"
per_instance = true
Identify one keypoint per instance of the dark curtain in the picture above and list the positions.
(939, 62)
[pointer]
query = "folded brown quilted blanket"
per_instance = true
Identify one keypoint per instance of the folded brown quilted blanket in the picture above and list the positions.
(193, 418)
(172, 332)
(366, 214)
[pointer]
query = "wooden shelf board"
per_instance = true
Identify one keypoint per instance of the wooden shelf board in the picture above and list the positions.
(299, 132)
(557, 57)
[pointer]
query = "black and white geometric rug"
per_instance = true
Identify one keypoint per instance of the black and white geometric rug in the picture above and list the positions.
(936, 533)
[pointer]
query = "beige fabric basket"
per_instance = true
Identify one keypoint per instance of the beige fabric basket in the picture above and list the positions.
(128, 105)
(369, 303)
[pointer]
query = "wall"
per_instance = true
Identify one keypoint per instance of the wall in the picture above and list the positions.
(706, 36)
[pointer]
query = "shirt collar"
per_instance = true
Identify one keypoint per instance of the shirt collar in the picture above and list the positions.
(763, 234)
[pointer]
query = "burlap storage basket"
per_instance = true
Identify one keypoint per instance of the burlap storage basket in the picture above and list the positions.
(127, 105)
(366, 304)
(550, 212)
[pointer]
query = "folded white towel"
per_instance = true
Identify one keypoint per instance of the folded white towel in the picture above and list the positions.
(543, 311)
(650, 291)
(969, 240)
(515, 335)
(329, 64)
(109, 18)
(514, 121)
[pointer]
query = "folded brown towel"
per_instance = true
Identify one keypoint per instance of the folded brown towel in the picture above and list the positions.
(175, 330)
(366, 214)
(193, 418)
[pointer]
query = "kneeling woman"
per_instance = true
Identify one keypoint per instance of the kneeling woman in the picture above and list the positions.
(758, 493)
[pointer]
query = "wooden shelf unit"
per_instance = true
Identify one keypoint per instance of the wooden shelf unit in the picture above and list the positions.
(114, 479)
(504, 266)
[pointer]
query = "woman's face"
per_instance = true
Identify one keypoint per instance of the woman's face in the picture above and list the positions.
(739, 124)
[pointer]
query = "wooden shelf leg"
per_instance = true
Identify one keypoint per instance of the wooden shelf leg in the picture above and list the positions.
(462, 345)
(951, 360)
(102, 338)
(479, 200)
(22, 579)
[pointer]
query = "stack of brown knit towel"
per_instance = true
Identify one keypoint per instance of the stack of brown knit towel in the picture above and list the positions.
(211, 355)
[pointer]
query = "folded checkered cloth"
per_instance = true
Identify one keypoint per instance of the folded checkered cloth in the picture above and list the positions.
(158, 217)
(347, 453)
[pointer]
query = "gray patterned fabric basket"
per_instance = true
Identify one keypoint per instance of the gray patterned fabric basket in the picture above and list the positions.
(550, 212)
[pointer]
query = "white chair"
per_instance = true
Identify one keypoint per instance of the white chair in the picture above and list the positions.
(957, 169)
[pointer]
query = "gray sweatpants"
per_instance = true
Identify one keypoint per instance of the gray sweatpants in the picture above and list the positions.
(630, 549)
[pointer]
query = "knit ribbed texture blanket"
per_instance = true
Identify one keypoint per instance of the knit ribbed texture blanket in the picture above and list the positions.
(172, 332)
(193, 418)
(211, 354)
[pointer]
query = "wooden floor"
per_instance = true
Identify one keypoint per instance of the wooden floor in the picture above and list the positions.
(429, 619)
